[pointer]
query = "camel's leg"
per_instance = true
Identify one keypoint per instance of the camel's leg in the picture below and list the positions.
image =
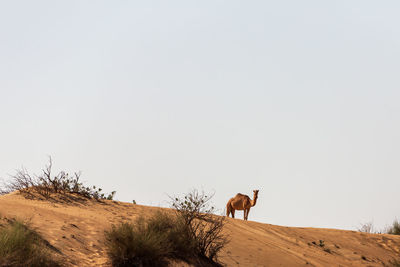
(233, 213)
(228, 209)
(247, 214)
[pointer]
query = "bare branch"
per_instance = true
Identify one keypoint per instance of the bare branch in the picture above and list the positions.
(202, 226)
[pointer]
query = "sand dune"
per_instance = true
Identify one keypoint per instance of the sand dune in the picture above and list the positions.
(76, 229)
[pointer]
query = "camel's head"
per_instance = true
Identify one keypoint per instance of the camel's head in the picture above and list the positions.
(255, 192)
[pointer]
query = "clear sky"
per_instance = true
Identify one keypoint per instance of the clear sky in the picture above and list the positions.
(299, 99)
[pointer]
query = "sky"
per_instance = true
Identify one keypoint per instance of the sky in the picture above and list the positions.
(299, 99)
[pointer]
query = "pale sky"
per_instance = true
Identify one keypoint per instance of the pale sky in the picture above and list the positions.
(299, 99)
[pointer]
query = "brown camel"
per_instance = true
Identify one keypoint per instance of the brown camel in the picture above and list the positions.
(241, 202)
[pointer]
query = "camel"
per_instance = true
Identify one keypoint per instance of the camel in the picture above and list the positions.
(241, 202)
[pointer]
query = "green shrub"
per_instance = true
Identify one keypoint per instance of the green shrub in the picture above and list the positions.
(174, 229)
(395, 228)
(139, 243)
(21, 246)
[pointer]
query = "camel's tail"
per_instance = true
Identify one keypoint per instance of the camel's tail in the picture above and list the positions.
(228, 208)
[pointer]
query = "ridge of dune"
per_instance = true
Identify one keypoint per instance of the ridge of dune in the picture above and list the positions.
(76, 229)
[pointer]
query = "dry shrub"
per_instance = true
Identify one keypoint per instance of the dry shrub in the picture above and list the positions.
(202, 228)
(47, 183)
(193, 234)
(367, 228)
(394, 229)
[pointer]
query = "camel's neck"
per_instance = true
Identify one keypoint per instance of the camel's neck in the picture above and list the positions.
(254, 200)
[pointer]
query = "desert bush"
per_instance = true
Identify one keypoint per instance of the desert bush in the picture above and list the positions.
(394, 229)
(21, 246)
(174, 229)
(46, 183)
(367, 228)
(202, 229)
(140, 243)
(192, 234)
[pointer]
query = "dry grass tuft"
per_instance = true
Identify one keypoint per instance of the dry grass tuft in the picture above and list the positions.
(21, 246)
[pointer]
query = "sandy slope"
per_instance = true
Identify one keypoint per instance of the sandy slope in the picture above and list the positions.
(76, 228)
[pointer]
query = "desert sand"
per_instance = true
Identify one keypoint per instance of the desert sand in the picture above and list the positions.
(75, 228)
